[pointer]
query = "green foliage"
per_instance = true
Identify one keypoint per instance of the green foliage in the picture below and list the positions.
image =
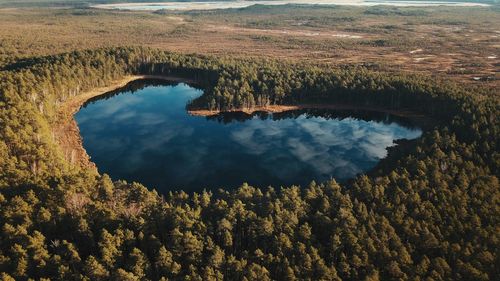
(432, 214)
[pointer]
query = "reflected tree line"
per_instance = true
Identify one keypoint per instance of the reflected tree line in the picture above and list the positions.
(431, 214)
(328, 114)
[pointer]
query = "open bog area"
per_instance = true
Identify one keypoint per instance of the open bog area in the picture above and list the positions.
(459, 43)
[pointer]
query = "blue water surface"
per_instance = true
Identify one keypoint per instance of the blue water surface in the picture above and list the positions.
(143, 133)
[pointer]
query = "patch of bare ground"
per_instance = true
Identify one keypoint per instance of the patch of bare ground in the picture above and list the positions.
(284, 32)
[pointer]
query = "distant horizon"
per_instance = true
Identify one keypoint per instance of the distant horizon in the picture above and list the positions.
(242, 3)
(235, 4)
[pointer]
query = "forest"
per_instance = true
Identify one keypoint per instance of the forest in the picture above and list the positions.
(432, 213)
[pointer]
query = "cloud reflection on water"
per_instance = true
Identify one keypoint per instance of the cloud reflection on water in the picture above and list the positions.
(147, 136)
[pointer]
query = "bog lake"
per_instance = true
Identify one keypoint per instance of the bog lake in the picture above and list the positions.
(144, 133)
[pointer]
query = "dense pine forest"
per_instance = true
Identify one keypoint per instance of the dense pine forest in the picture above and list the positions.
(432, 214)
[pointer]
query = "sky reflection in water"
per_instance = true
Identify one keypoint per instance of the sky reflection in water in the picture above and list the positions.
(147, 136)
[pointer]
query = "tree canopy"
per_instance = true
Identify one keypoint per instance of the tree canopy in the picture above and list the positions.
(432, 213)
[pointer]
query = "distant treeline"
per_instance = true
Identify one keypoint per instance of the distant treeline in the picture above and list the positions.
(433, 215)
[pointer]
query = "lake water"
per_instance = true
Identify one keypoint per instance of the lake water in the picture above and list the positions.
(143, 133)
(209, 5)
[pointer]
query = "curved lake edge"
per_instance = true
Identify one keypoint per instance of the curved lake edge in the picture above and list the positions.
(70, 140)
(66, 132)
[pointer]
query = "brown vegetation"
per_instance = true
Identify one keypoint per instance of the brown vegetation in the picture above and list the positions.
(455, 43)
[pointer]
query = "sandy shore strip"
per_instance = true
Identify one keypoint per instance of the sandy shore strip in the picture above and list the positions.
(282, 108)
(421, 120)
